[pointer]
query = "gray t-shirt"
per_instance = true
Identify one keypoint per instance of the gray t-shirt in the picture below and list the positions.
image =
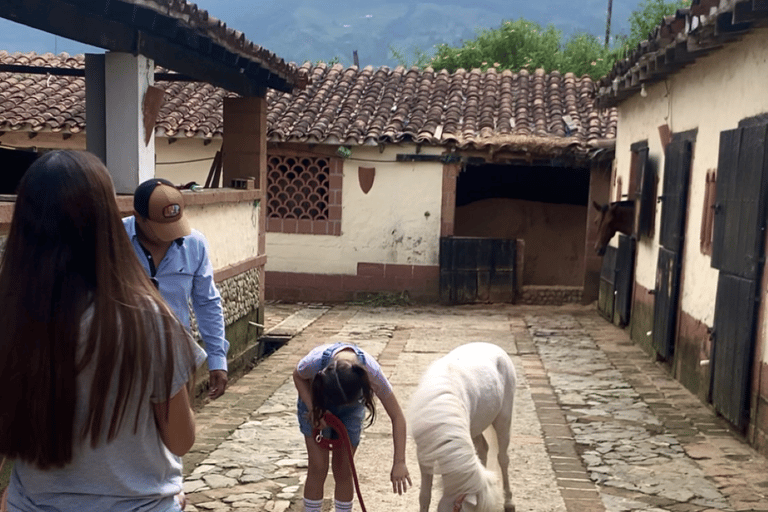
(133, 472)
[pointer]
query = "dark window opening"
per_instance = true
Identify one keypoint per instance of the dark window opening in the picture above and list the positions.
(15, 163)
(557, 185)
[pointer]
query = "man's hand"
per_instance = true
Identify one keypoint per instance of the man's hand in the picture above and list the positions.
(217, 383)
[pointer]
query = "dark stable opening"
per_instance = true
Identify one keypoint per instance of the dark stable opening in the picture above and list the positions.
(15, 163)
(559, 185)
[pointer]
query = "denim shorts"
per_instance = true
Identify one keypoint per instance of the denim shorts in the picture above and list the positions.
(351, 416)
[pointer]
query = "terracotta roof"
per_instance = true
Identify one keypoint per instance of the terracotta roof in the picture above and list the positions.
(540, 113)
(679, 40)
(189, 15)
(470, 109)
(176, 34)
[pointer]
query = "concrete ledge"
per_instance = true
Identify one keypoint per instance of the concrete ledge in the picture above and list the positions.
(205, 196)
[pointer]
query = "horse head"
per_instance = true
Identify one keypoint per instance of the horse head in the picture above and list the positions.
(488, 498)
(613, 217)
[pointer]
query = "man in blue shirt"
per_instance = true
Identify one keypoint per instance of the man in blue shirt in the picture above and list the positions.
(176, 259)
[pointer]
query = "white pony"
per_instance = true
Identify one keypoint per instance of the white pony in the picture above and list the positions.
(459, 396)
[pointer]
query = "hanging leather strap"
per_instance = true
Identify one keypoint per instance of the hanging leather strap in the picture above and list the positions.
(343, 443)
(4, 497)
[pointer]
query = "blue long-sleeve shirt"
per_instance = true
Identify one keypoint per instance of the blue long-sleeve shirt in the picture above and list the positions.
(185, 273)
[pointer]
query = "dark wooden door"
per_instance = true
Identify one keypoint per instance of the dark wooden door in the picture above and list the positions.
(732, 351)
(674, 199)
(606, 295)
(625, 270)
(477, 270)
(737, 252)
(665, 303)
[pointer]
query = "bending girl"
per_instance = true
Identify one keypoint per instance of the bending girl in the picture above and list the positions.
(342, 379)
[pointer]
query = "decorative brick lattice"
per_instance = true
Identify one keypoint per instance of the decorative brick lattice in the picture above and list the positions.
(304, 194)
(298, 187)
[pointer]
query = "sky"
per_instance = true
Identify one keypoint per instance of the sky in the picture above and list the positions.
(314, 30)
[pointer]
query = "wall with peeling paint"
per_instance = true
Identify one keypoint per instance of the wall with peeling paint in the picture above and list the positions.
(711, 95)
(396, 222)
(239, 241)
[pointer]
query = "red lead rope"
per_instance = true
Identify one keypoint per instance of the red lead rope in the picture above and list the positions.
(342, 443)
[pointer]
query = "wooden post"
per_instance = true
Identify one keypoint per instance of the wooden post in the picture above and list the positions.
(244, 155)
(130, 150)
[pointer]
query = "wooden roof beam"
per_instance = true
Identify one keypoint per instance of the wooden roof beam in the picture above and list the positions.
(160, 76)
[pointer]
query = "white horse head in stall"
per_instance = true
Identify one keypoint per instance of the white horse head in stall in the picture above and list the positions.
(460, 395)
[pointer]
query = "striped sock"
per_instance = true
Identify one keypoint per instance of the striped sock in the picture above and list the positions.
(343, 506)
(313, 505)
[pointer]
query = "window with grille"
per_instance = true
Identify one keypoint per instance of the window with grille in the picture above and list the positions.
(303, 194)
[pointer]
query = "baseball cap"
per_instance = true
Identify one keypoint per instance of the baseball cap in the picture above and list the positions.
(162, 205)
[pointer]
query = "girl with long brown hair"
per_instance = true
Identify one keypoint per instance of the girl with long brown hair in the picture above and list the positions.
(94, 407)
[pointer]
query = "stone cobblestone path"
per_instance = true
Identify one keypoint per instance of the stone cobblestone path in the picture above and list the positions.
(597, 425)
(624, 444)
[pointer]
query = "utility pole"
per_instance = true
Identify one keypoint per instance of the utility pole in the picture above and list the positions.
(608, 23)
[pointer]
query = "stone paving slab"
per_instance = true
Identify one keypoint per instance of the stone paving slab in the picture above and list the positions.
(264, 459)
(296, 322)
(597, 426)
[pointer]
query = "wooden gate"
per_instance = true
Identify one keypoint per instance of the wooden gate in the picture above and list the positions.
(606, 294)
(477, 270)
(625, 277)
(737, 252)
(616, 278)
(677, 165)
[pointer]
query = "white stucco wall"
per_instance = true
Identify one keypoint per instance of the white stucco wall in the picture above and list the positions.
(397, 221)
(232, 230)
(185, 160)
(711, 95)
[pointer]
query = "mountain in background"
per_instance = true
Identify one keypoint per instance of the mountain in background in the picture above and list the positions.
(310, 30)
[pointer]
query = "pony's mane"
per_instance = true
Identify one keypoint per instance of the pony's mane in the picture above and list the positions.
(440, 427)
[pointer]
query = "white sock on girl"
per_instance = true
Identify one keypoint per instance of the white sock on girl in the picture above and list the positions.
(343, 506)
(312, 505)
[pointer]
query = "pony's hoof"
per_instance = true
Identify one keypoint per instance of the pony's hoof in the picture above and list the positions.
(509, 508)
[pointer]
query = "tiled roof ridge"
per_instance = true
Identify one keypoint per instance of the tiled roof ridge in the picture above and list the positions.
(678, 40)
(351, 106)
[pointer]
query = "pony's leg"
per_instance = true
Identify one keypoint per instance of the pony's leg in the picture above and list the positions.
(425, 493)
(481, 447)
(502, 425)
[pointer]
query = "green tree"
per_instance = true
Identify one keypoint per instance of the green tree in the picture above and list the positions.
(421, 58)
(584, 54)
(522, 44)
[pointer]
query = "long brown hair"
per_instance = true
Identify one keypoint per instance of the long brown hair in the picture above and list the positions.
(342, 383)
(68, 252)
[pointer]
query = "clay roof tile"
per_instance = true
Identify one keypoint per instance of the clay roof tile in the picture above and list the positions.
(369, 105)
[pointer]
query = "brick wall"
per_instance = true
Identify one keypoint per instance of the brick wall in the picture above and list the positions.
(550, 295)
(418, 282)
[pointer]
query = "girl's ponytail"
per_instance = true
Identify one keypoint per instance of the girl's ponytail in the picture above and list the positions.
(318, 398)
